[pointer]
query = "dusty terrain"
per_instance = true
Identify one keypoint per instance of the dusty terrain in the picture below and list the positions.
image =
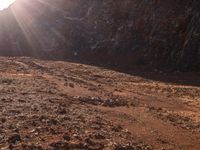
(63, 105)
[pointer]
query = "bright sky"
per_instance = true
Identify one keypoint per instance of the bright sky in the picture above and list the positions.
(5, 3)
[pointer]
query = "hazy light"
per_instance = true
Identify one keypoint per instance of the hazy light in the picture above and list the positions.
(5, 3)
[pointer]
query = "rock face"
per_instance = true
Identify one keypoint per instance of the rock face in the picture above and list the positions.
(153, 33)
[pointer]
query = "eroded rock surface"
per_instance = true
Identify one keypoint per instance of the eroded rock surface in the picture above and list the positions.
(145, 33)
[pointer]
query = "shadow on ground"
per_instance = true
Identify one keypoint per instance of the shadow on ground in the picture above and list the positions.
(175, 77)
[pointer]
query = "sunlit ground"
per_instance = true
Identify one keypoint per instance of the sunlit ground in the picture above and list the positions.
(5, 3)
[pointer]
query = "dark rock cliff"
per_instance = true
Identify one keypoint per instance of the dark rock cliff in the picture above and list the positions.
(151, 33)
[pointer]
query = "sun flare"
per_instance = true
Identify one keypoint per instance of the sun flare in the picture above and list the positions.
(5, 3)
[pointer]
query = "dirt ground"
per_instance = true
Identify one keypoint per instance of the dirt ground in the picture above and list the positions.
(63, 105)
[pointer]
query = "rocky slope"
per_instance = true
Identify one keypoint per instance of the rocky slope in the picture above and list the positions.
(153, 33)
(60, 105)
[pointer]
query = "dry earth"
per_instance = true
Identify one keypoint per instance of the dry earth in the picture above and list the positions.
(63, 105)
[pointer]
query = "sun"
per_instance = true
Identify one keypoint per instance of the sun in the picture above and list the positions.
(5, 3)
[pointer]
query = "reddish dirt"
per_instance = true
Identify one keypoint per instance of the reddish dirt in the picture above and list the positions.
(63, 105)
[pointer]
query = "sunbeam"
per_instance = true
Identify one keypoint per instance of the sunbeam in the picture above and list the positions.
(5, 3)
(38, 36)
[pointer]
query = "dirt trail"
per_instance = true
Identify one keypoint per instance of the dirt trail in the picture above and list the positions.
(62, 105)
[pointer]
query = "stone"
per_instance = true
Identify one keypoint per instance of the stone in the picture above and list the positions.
(14, 138)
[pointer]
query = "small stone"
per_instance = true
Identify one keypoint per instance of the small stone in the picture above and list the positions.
(62, 111)
(3, 120)
(71, 85)
(14, 138)
(99, 136)
(16, 130)
(59, 145)
(66, 137)
(75, 135)
(117, 128)
(52, 122)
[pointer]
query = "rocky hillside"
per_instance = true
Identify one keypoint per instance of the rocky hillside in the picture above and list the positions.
(58, 105)
(152, 33)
